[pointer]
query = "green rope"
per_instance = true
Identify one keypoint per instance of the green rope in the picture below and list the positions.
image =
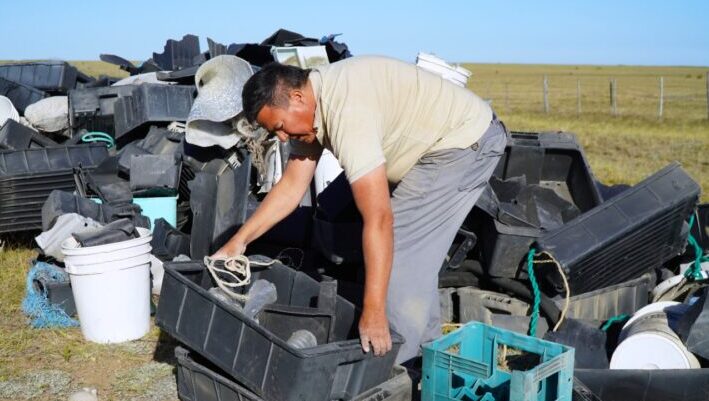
(617, 318)
(97, 136)
(694, 272)
(537, 294)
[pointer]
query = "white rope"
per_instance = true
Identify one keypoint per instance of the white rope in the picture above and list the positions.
(237, 272)
(567, 289)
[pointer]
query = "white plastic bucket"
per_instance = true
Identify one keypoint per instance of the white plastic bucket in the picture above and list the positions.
(648, 341)
(111, 287)
(456, 74)
(7, 111)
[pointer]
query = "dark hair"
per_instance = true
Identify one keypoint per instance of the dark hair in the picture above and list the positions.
(270, 87)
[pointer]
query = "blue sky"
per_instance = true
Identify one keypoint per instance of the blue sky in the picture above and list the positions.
(535, 31)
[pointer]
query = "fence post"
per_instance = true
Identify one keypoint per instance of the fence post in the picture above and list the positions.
(662, 97)
(614, 99)
(546, 95)
(507, 96)
(707, 95)
(578, 97)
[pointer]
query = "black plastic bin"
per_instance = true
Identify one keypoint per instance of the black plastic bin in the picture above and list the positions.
(92, 109)
(257, 357)
(630, 234)
(51, 76)
(197, 380)
(151, 103)
(20, 95)
(552, 160)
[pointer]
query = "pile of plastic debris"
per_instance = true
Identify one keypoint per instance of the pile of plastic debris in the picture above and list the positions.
(547, 251)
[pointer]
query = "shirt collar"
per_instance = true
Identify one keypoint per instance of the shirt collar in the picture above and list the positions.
(316, 83)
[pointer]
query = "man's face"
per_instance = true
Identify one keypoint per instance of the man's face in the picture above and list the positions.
(293, 122)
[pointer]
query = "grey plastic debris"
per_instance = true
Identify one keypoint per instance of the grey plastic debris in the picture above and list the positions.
(145, 78)
(302, 339)
(261, 293)
(182, 258)
(15, 136)
(480, 305)
(220, 294)
(157, 172)
(219, 84)
(50, 114)
(116, 231)
(445, 298)
(67, 224)
(693, 327)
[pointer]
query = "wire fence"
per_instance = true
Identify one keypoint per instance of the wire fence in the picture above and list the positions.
(676, 96)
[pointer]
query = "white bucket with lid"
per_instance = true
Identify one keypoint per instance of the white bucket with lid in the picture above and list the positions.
(7, 111)
(111, 287)
(647, 340)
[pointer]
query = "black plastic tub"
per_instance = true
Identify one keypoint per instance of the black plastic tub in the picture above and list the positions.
(551, 160)
(630, 234)
(647, 385)
(197, 380)
(257, 355)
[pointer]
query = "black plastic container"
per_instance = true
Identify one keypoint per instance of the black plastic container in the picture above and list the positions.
(151, 103)
(50, 159)
(50, 76)
(178, 54)
(552, 160)
(92, 109)
(198, 380)
(20, 95)
(15, 136)
(630, 234)
(257, 357)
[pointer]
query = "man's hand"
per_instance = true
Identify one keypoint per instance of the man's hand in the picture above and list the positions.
(374, 331)
(233, 248)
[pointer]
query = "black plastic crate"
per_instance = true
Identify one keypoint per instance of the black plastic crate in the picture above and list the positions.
(15, 136)
(646, 385)
(198, 380)
(152, 103)
(552, 160)
(49, 159)
(92, 109)
(628, 235)
(20, 95)
(51, 76)
(257, 355)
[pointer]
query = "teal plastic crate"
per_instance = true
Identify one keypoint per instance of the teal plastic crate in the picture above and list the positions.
(469, 365)
(157, 207)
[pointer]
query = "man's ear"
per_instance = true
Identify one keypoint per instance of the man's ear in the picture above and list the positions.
(297, 96)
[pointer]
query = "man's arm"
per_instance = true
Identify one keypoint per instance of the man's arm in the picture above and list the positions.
(277, 205)
(371, 194)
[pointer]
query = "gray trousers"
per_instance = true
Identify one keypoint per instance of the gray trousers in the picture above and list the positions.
(429, 205)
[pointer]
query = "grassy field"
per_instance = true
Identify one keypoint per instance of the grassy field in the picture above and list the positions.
(49, 364)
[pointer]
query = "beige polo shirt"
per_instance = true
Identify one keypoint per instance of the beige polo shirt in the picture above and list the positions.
(374, 110)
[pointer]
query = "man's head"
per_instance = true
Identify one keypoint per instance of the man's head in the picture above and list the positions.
(280, 99)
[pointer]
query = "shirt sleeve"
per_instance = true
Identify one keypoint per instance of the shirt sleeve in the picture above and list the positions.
(356, 139)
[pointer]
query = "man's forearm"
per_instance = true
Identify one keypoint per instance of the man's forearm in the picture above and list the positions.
(378, 248)
(277, 205)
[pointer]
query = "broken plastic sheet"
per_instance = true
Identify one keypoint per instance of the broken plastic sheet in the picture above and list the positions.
(114, 232)
(50, 241)
(516, 203)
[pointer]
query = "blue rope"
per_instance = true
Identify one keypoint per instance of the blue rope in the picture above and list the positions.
(537, 294)
(694, 272)
(617, 318)
(97, 136)
(37, 307)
